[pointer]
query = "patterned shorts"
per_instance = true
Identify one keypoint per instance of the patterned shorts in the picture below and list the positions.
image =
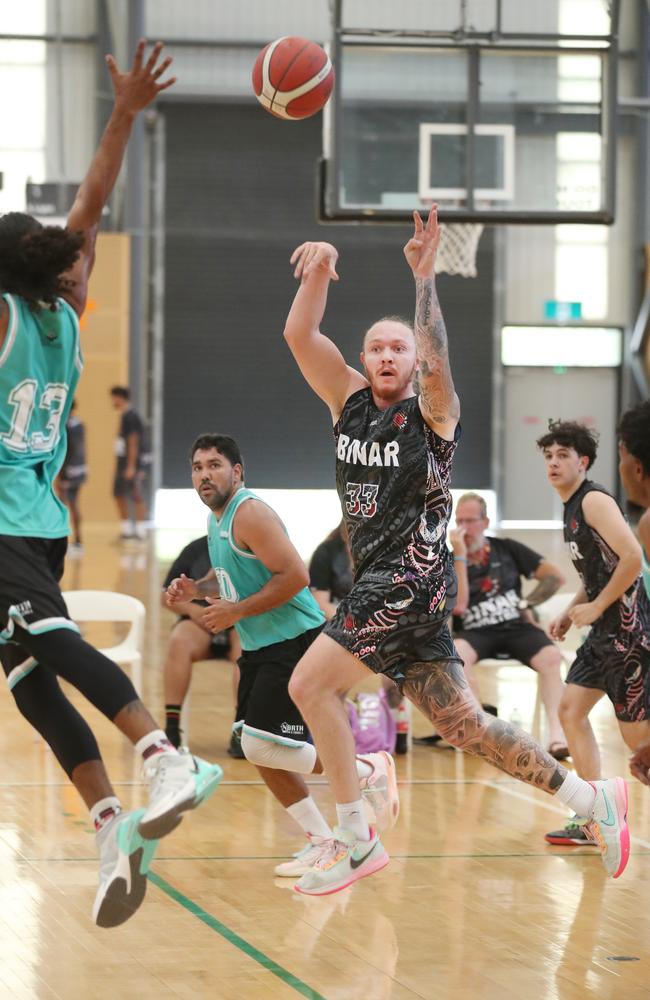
(389, 626)
(620, 669)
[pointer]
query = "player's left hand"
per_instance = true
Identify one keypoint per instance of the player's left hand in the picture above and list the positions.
(640, 764)
(584, 614)
(220, 615)
(138, 87)
(420, 251)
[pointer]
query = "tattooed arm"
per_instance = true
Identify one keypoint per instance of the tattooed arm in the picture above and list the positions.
(550, 580)
(438, 400)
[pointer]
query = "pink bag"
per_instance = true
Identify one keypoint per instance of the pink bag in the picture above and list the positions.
(372, 722)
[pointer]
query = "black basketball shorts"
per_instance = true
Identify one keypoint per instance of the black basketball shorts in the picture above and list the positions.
(620, 669)
(30, 596)
(518, 639)
(389, 626)
(264, 707)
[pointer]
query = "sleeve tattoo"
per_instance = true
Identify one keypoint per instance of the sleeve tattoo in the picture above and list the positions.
(436, 384)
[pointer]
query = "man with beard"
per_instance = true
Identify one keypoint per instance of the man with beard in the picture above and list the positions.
(394, 450)
(259, 584)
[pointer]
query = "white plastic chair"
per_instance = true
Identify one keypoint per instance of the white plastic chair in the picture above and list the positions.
(109, 606)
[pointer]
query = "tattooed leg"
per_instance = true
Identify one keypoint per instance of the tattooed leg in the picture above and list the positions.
(441, 692)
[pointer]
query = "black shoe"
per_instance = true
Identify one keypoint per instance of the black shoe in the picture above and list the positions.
(402, 743)
(490, 709)
(434, 740)
(234, 747)
(572, 835)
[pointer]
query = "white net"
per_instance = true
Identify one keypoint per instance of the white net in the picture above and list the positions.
(457, 248)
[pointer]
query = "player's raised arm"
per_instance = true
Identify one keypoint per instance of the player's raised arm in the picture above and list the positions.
(318, 358)
(133, 91)
(438, 400)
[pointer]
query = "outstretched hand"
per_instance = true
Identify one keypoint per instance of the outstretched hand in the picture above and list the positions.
(137, 88)
(311, 257)
(420, 251)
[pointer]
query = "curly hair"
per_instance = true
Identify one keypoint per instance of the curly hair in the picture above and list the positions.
(571, 434)
(634, 432)
(34, 258)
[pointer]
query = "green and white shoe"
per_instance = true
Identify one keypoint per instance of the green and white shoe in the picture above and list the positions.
(177, 782)
(343, 861)
(124, 859)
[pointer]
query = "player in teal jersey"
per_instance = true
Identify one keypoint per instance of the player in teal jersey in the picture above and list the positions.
(259, 585)
(634, 468)
(44, 276)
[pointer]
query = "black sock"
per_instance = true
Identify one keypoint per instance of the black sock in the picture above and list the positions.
(172, 724)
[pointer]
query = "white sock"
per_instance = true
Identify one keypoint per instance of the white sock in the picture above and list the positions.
(126, 527)
(104, 810)
(364, 770)
(309, 817)
(153, 743)
(141, 529)
(577, 793)
(352, 817)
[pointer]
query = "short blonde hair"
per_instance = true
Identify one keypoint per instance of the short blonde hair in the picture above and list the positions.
(466, 497)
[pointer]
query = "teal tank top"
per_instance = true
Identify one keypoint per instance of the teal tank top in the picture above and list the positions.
(241, 574)
(40, 365)
(645, 566)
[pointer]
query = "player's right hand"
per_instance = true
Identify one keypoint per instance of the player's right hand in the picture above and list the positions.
(180, 590)
(311, 257)
(559, 627)
(139, 86)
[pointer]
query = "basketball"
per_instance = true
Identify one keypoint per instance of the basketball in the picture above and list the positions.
(293, 77)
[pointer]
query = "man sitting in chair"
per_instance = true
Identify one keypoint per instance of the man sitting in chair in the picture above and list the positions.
(492, 619)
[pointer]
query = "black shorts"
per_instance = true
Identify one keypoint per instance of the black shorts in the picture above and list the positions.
(30, 596)
(515, 640)
(390, 626)
(131, 488)
(618, 667)
(263, 703)
(70, 487)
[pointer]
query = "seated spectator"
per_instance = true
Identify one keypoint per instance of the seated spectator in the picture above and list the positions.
(190, 642)
(492, 618)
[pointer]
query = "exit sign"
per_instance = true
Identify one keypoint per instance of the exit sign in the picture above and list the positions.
(562, 311)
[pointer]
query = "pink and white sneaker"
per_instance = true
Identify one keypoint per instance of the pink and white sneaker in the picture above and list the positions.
(379, 789)
(607, 825)
(343, 861)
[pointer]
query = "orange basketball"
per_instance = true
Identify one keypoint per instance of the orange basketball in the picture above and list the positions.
(293, 77)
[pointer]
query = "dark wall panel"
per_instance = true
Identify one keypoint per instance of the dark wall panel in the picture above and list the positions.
(241, 193)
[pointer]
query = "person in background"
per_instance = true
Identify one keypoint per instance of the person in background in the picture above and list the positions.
(132, 458)
(190, 641)
(73, 475)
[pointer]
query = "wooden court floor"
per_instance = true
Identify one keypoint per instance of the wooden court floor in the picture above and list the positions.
(473, 904)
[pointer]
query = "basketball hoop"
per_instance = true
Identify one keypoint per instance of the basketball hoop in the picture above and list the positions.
(456, 252)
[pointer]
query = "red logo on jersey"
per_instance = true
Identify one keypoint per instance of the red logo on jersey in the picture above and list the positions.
(573, 525)
(488, 585)
(349, 623)
(400, 420)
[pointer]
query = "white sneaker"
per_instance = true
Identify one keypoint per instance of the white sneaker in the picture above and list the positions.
(608, 824)
(124, 859)
(177, 782)
(303, 860)
(343, 861)
(379, 789)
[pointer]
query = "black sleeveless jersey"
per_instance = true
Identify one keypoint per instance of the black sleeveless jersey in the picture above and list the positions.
(392, 477)
(595, 563)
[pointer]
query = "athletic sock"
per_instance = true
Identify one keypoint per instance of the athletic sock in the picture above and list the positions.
(141, 530)
(153, 743)
(309, 817)
(172, 724)
(577, 793)
(351, 817)
(104, 810)
(364, 770)
(126, 528)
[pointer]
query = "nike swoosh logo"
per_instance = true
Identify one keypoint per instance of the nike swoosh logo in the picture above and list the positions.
(611, 819)
(355, 862)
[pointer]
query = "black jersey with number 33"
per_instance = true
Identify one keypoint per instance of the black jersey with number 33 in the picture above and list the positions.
(392, 477)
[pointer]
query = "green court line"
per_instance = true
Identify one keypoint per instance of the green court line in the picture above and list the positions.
(575, 852)
(248, 949)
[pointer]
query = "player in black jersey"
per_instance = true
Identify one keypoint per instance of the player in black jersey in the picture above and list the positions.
(394, 451)
(614, 659)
